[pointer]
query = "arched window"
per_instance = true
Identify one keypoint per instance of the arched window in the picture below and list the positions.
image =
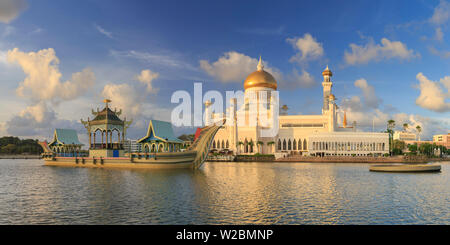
(214, 144)
(279, 145)
(305, 146)
(289, 145)
(223, 144)
(153, 148)
(284, 144)
(228, 145)
(299, 144)
(294, 145)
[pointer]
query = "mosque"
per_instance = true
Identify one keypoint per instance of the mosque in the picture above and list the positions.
(317, 135)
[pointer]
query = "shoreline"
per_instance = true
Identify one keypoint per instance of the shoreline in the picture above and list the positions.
(20, 157)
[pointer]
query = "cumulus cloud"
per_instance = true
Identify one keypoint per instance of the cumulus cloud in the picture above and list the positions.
(10, 9)
(370, 98)
(432, 96)
(441, 13)
(43, 78)
(234, 67)
(368, 115)
(360, 54)
(298, 80)
(146, 77)
(123, 96)
(308, 47)
(31, 120)
(133, 103)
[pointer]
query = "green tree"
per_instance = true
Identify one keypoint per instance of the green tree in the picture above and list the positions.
(398, 147)
(419, 129)
(390, 130)
(405, 127)
(413, 148)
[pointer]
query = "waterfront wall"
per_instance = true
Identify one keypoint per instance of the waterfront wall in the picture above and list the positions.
(20, 156)
(343, 159)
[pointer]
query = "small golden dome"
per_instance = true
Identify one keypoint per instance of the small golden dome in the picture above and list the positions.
(260, 78)
(327, 72)
(331, 97)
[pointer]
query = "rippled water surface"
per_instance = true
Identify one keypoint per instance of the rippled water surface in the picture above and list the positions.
(222, 193)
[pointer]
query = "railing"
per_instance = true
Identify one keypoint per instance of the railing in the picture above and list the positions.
(111, 146)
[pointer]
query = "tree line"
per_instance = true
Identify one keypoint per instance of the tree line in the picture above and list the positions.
(10, 145)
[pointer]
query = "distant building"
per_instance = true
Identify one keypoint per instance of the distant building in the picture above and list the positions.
(65, 142)
(442, 139)
(132, 146)
(404, 136)
(160, 138)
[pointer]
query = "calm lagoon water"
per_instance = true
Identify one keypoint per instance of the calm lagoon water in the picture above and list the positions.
(222, 193)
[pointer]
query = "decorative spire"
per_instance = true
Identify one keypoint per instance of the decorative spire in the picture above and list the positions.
(260, 66)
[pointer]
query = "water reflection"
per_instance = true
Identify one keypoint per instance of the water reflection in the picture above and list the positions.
(221, 193)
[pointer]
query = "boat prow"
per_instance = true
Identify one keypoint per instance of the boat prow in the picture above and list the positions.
(405, 168)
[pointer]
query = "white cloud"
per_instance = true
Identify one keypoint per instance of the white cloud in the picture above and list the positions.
(441, 13)
(43, 78)
(124, 96)
(432, 96)
(10, 9)
(308, 47)
(146, 77)
(297, 80)
(441, 53)
(375, 52)
(439, 35)
(234, 67)
(370, 98)
(103, 31)
(167, 60)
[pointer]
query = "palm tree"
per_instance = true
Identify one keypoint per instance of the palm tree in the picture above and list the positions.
(419, 129)
(390, 130)
(259, 143)
(251, 144)
(239, 146)
(271, 143)
(405, 127)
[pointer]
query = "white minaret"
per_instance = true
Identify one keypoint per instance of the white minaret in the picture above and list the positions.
(332, 113)
(208, 116)
(327, 84)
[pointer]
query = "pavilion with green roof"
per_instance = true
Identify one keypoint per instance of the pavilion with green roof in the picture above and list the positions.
(160, 138)
(65, 142)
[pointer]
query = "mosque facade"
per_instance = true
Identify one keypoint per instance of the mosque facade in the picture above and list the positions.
(318, 135)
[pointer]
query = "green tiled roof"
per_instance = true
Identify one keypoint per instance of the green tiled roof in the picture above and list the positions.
(66, 137)
(160, 129)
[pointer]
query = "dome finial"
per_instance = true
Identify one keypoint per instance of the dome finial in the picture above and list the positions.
(260, 66)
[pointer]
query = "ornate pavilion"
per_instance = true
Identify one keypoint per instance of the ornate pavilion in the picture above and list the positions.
(160, 138)
(106, 132)
(65, 142)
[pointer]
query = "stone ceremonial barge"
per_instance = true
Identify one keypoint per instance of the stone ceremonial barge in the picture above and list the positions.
(161, 148)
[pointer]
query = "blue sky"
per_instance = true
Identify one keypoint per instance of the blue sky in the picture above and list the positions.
(390, 59)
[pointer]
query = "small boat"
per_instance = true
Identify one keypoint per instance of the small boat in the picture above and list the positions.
(192, 158)
(405, 168)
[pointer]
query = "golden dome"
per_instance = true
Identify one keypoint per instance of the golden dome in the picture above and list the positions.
(260, 78)
(327, 72)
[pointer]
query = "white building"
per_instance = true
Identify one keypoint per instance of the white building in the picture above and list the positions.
(296, 132)
(132, 146)
(404, 136)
